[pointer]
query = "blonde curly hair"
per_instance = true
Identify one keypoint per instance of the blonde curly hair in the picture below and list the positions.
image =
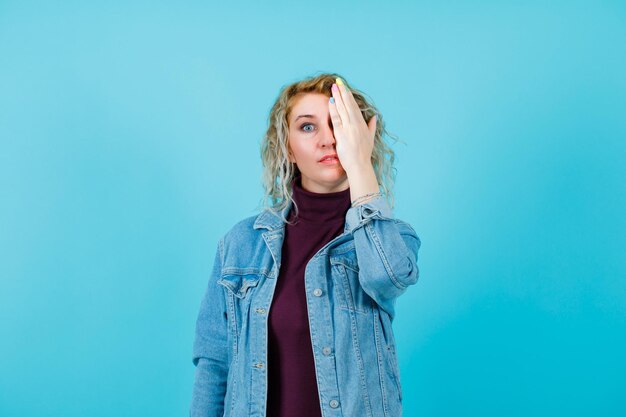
(279, 172)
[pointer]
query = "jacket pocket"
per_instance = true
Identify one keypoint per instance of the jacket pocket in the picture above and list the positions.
(393, 363)
(239, 284)
(348, 291)
(390, 350)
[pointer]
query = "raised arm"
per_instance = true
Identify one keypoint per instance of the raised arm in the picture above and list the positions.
(386, 250)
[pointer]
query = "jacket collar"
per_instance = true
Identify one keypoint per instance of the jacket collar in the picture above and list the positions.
(267, 219)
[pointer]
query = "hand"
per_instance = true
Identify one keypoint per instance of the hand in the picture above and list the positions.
(354, 137)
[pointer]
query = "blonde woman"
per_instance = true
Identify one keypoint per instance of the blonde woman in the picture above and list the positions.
(296, 319)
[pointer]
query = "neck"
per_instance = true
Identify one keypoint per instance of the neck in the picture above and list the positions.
(320, 207)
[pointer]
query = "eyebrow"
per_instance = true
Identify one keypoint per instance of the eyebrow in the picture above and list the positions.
(311, 116)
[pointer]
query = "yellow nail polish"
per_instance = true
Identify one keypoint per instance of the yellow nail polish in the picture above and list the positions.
(339, 81)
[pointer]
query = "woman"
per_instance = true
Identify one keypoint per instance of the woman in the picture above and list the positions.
(296, 319)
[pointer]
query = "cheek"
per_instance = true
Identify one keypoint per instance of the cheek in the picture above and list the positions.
(302, 150)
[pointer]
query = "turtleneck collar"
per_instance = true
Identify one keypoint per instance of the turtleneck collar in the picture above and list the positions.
(319, 207)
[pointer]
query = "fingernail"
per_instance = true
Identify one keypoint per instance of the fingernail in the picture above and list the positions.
(339, 81)
(334, 87)
(332, 99)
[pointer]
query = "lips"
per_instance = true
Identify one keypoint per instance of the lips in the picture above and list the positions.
(330, 155)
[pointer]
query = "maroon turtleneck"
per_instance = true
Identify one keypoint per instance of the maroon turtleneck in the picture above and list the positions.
(292, 384)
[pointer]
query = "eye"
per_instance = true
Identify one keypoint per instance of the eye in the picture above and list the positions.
(304, 125)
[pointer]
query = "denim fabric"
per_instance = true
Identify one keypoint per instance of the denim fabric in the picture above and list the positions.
(351, 286)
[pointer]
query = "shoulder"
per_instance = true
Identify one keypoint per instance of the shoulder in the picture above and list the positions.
(242, 230)
(243, 239)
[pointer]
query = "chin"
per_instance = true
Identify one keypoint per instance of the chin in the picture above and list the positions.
(335, 178)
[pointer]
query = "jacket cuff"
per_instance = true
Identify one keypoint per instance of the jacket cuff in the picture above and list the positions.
(363, 213)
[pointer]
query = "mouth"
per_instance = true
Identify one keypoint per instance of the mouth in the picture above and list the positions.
(329, 159)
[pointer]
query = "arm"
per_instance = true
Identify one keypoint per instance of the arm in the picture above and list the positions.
(210, 349)
(386, 252)
(386, 249)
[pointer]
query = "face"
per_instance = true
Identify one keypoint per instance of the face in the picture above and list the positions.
(311, 137)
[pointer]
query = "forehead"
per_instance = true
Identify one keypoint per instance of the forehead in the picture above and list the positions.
(309, 103)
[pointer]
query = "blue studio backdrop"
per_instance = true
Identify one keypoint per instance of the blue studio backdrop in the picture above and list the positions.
(130, 136)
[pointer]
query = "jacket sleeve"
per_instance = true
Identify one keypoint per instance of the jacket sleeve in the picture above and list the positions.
(386, 251)
(211, 355)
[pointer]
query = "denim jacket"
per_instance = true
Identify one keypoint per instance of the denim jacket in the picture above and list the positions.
(351, 287)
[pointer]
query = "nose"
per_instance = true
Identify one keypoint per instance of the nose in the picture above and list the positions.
(327, 138)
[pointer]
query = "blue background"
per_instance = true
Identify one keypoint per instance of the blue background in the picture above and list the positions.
(130, 140)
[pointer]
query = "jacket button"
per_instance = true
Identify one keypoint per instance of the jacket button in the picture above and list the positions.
(326, 350)
(258, 365)
(260, 310)
(317, 292)
(334, 403)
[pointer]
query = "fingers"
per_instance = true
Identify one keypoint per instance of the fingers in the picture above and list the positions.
(340, 104)
(349, 102)
(334, 115)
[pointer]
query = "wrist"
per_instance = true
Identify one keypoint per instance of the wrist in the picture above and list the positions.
(365, 198)
(363, 183)
(357, 167)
